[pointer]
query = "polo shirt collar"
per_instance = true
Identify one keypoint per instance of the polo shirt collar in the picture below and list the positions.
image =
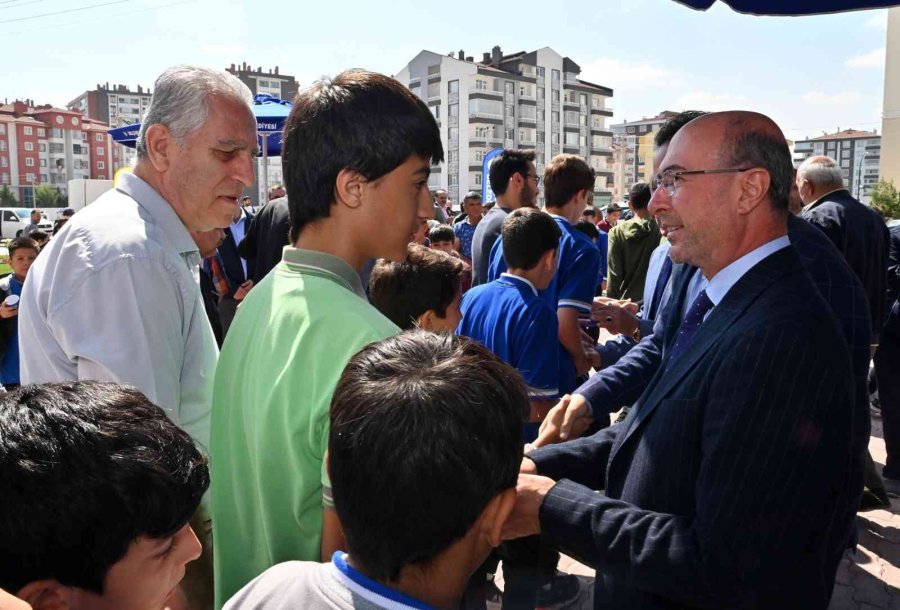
(370, 590)
(328, 264)
(520, 280)
(160, 210)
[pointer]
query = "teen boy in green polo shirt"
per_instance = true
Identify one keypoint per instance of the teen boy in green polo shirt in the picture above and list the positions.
(355, 148)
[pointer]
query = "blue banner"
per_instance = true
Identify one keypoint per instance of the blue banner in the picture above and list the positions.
(487, 193)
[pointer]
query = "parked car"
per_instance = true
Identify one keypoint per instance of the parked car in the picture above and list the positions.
(14, 220)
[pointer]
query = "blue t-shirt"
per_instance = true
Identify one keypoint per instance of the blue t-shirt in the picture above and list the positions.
(464, 232)
(9, 368)
(509, 318)
(573, 286)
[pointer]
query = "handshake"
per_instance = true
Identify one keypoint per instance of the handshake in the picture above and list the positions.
(568, 419)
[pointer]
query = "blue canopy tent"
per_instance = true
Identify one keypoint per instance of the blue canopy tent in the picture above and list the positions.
(271, 113)
(792, 7)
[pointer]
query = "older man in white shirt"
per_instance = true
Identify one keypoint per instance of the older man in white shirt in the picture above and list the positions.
(115, 296)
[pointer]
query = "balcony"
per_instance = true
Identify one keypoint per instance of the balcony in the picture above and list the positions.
(489, 116)
(528, 119)
(571, 104)
(527, 142)
(486, 93)
(528, 96)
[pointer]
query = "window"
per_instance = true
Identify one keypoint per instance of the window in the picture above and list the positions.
(41, 132)
(26, 130)
(510, 134)
(2, 145)
(453, 86)
(571, 139)
(5, 178)
(101, 165)
(478, 179)
(99, 137)
(29, 162)
(452, 156)
(29, 146)
(434, 90)
(540, 71)
(42, 147)
(528, 112)
(42, 163)
(582, 120)
(55, 148)
(554, 116)
(4, 162)
(480, 85)
(554, 138)
(436, 111)
(582, 99)
(509, 86)
(44, 178)
(2, 128)
(555, 79)
(488, 107)
(453, 109)
(77, 149)
(453, 134)
(479, 155)
(29, 177)
(555, 96)
(540, 93)
(571, 117)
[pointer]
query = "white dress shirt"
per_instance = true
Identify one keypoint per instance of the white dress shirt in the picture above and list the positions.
(116, 297)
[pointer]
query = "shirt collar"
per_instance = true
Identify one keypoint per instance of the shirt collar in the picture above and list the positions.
(160, 210)
(562, 218)
(374, 592)
(326, 263)
(722, 282)
(520, 279)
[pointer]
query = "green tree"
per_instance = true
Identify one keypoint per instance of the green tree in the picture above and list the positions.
(7, 199)
(45, 196)
(886, 199)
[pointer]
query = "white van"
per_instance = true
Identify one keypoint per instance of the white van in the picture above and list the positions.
(14, 220)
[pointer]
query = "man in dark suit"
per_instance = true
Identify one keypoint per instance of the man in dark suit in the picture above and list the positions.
(266, 238)
(238, 270)
(729, 484)
(857, 231)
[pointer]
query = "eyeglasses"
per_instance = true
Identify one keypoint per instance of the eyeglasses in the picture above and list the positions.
(537, 179)
(668, 179)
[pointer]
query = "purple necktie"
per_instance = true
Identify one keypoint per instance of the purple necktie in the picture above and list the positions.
(692, 321)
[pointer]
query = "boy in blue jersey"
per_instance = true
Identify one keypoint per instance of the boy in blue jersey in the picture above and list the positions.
(508, 316)
(568, 187)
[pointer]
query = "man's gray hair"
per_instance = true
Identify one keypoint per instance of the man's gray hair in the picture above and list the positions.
(821, 171)
(181, 100)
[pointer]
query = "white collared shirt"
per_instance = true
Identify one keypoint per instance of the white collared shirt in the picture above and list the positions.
(116, 297)
(723, 281)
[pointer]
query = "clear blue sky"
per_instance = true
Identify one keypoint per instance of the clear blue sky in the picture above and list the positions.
(811, 74)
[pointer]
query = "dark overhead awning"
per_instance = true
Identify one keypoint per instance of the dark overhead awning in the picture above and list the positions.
(792, 7)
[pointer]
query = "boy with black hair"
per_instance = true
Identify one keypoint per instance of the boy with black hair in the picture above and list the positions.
(423, 291)
(515, 182)
(419, 553)
(355, 148)
(442, 238)
(98, 486)
(22, 252)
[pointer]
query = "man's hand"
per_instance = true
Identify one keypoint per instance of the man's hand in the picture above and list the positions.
(242, 290)
(527, 467)
(8, 312)
(568, 419)
(524, 520)
(616, 319)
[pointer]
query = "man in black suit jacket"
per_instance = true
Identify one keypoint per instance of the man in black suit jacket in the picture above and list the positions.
(266, 238)
(729, 484)
(857, 231)
(239, 271)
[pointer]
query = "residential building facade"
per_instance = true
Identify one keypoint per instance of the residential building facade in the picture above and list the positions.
(522, 100)
(890, 121)
(857, 152)
(633, 152)
(48, 145)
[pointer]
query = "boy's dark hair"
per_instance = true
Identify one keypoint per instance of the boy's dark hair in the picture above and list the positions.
(21, 243)
(506, 164)
(427, 279)
(38, 236)
(588, 228)
(673, 125)
(527, 235)
(88, 467)
(360, 120)
(589, 212)
(564, 176)
(639, 195)
(415, 455)
(442, 233)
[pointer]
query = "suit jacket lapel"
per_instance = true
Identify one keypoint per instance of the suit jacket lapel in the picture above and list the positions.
(722, 317)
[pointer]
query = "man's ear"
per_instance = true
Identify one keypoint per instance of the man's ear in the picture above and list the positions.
(426, 320)
(48, 594)
(754, 188)
(549, 258)
(495, 515)
(160, 146)
(348, 188)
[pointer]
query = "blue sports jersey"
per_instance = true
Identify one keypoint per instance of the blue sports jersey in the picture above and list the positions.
(573, 286)
(509, 318)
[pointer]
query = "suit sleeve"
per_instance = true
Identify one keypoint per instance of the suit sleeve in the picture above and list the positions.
(582, 460)
(765, 469)
(827, 224)
(247, 248)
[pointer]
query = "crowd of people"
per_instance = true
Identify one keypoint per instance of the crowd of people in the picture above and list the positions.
(361, 396)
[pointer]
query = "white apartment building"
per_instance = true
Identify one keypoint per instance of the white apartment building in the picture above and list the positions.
(523, 100)
(857, 152)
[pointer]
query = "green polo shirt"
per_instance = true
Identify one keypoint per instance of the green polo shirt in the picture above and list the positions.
(284, 353)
